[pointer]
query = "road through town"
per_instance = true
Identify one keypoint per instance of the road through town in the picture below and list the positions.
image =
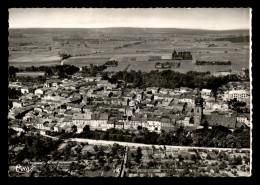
(135, 145)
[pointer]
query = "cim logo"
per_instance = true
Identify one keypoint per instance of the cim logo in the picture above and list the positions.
(24, 168)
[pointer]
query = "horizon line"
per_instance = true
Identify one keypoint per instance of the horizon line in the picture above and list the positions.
(128, 27)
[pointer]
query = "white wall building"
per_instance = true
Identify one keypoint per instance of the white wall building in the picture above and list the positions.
(206, 93)
(240, 95)
(24, 90)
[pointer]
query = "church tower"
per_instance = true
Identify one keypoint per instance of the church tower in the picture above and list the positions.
(198, 111)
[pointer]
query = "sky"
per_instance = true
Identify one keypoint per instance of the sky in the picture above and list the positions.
(191, 18)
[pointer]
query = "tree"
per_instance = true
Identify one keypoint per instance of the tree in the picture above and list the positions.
(74, 128)
(150, 164)
(101, 161)
(120, 137)
(104, 76)
(73, 166)
(56, 155)
(205, 124)
(208, 157)
(139, 150)
(139, 127)
(95, 148)
(12, 70)
(222, 165)
(61, 74)
(19, 157)
(71, 70)
(88, 155)
(153, 147)
(104, 136)
(128, 164)
(193, 158)
(106, 168)
(101, 151)
(180, 158)
(138, 155)
(48, 72)
(78, 149)
(237, 160)
(246, 159)
(137, 159)
(93, 164)
(11, 132)
(46, 171)
(13, 93)
(67, 152)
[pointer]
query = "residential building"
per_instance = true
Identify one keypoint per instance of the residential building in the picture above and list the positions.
(24, 90)
(206, 93)
(244, 118)
(240, 95)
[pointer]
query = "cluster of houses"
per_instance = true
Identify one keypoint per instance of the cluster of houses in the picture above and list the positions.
(91, 103)
(235, 90)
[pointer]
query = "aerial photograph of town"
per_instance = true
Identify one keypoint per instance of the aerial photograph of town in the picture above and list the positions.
(144, 92)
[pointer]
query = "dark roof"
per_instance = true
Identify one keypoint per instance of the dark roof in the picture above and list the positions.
(103, 117)
(244, 115)
(240, 124)
(53, 81)
(74, 105)
(224, 120)
(187, 95)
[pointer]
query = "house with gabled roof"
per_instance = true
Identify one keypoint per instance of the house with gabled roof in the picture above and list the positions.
(226, 120)
(154, 124)
(52, 82)
(24, 90)
(17, 104)
(40, 91)
(111, 122)
(43, 123)
(187, 98)
(17, 128)
(244, 118)
(206, 93)
(152, 89)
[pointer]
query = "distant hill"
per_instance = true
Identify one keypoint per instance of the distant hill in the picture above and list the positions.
(127, 30)
(235, 39)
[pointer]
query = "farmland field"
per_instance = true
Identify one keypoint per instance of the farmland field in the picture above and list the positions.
(37, 47)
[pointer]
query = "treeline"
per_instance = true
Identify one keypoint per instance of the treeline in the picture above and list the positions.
(64, 55)
(198, 62)
(238, 106)
(26, 79)
(61, 70)
(218, 136)
(112, 63)
(13, 93)
(35, 147)
(12, 70)
(172, 79)
(127, 45)
(164, 79)
(93, 70)
(235, 39)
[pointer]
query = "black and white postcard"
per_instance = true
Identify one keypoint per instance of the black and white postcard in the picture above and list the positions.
(129, 92)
